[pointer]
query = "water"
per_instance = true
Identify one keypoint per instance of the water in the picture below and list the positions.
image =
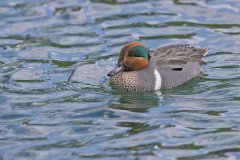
(55, 100)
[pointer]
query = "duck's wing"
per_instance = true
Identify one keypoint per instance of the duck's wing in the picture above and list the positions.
(176, 56)
(178, 63)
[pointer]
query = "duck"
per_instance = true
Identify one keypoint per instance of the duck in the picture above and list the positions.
(140, 69)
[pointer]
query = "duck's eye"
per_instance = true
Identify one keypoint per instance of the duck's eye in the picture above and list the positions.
(131, 54)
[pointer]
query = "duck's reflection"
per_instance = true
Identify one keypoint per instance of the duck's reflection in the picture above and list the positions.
(137, 102)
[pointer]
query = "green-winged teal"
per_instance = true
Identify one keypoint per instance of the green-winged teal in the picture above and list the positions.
(140, 70)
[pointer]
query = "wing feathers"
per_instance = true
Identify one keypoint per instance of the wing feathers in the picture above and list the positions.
(178, 55)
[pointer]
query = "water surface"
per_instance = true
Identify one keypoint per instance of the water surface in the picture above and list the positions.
(55, 100)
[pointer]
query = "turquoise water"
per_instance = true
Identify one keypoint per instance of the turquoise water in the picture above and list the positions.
(55, 98)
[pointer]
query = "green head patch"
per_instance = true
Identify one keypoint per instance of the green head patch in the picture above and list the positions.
(139, 51)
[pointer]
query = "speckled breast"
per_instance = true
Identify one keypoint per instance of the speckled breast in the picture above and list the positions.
(134, 80)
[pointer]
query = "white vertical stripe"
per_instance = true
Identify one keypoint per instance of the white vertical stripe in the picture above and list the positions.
(158, 80)
(207, 50)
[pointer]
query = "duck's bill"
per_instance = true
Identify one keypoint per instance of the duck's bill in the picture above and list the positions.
(116, 70)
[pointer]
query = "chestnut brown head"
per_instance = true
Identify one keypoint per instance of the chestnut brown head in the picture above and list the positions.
(133, 56)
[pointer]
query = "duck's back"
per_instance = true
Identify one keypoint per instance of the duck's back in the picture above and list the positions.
(178, 63)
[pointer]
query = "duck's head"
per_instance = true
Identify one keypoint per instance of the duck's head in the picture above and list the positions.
(133, 56)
